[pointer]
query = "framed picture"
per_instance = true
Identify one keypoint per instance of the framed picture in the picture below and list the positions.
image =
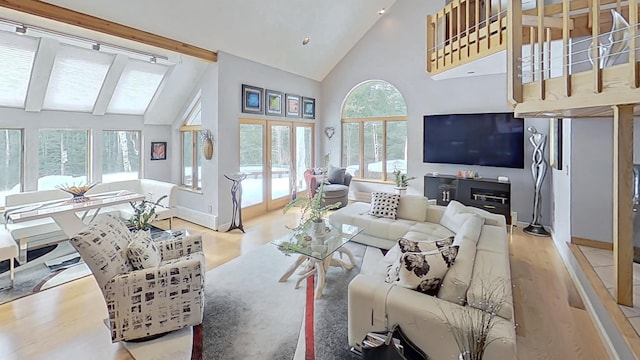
(274, 102)
(308, 108)
(252, 99)
(158, 150)
(555, 148)
(293, 105)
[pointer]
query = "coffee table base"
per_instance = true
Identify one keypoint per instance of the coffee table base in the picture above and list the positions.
(320, 267)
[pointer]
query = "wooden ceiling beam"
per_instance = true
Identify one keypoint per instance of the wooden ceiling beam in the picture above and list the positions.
(71, 17)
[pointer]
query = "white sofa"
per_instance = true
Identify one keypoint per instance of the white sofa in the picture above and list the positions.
(43, 232)
(482, 261)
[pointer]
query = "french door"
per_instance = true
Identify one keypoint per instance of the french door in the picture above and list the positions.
(274, 154)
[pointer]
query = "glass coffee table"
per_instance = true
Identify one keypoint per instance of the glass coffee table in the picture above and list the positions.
(316, 252)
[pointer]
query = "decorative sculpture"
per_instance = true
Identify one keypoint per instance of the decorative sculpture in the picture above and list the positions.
(236, 199)
(618, 42)
(538, 170)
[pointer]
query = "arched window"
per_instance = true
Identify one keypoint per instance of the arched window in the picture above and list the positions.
(191, 133)
(374, 131)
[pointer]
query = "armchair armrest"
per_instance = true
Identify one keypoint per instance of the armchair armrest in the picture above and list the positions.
(178, 247)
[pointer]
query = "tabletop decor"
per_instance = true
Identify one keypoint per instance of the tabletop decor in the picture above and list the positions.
(144, 212)
(78, 191)
(401, 180)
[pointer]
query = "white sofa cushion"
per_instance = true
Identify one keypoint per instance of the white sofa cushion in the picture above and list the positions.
(412, 207)
(455, 216)
(456, 282)
(491, 270)
(470, 229)
(492, 239)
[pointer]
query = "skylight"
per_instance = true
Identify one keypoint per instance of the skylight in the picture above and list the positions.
(16, 56)
(76, 78)
(137, 85)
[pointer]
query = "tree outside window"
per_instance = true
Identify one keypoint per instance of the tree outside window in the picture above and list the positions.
(120, 155)
(63, 157)
(374, 131)
(10, 163)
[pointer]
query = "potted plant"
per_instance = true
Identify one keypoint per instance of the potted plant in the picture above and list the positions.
(144, 212)
(312, 215)
(401, 180)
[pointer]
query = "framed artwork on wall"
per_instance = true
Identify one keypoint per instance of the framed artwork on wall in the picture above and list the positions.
(308, 108)
(293, 105)
(274, 102)
(158, 150)
(252, 99)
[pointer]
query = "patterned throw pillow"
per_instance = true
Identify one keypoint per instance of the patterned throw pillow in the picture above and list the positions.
(384, 205)
(444, 246)
(422, 271)
(142, 252)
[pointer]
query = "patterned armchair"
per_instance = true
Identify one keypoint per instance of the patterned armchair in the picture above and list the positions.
(146, 302)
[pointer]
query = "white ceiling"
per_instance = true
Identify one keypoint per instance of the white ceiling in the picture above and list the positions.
(268, 32)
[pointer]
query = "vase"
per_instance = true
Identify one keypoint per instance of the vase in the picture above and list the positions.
(207, 149)
(317, 231)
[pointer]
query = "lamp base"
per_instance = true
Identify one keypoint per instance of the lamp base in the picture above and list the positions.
(536, 229)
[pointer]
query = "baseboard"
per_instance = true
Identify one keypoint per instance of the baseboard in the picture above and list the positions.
(197, 217)
(591, 243)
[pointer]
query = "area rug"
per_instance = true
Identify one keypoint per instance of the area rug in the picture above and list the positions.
(35, 276)
(250, 315)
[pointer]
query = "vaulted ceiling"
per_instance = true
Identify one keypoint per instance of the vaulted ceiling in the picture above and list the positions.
(268, 32)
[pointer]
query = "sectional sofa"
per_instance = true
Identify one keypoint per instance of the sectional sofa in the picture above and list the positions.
(482, 263)
(42, 232)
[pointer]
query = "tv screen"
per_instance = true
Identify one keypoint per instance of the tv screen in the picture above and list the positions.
(495, 139)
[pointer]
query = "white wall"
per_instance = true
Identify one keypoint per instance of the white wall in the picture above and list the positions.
(31, 122)
(561, 192)
(394, 51)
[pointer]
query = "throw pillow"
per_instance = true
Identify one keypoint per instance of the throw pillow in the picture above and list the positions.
(335, 175)
(143, 252)
(455, 216)
(384, 205)
(406, 245)
(422, 271)
(470, 230)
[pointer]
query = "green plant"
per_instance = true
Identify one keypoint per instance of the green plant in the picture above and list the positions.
(312, 210)
(401, 180)
(144, 212)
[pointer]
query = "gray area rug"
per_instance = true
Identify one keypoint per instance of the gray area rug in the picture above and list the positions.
(250, 315)
(31, 276)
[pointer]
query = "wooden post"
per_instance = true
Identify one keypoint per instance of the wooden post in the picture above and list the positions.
(514, 52)
(430, 36)
(595, 54)
(541, 59)
(633, 32)
(565, 48)
(622, 203)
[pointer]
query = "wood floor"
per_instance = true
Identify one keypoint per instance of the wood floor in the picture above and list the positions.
(66, 322)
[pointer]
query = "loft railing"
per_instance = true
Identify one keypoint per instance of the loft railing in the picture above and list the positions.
(463, 31)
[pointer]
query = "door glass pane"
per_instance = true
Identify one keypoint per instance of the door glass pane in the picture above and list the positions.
(396, 147)
(187, 158)
(10, 163)
(372, 149)
(351, 148)
(120, 155)
(63, 157)
(303, 155)
(280, 161)
(251, 162)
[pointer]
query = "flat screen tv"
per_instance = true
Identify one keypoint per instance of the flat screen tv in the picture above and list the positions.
(488, 139)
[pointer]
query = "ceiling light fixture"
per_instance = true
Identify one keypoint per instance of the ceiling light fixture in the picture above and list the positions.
(305, 41)
(96, 47)
(153, 60)
(21, 29)
(381, 11)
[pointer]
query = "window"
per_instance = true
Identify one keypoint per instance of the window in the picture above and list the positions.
(10, 163)
(120, 155)
(16, 56)
(63, 157)
(76, 79)
(191, 134)
(137, 86)
(374, 131)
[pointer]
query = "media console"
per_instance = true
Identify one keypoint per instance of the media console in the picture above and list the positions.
(488, 194)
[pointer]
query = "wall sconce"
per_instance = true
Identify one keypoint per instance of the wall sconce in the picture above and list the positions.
(207, 144)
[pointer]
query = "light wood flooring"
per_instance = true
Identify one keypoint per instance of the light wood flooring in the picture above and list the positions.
(66, 322)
